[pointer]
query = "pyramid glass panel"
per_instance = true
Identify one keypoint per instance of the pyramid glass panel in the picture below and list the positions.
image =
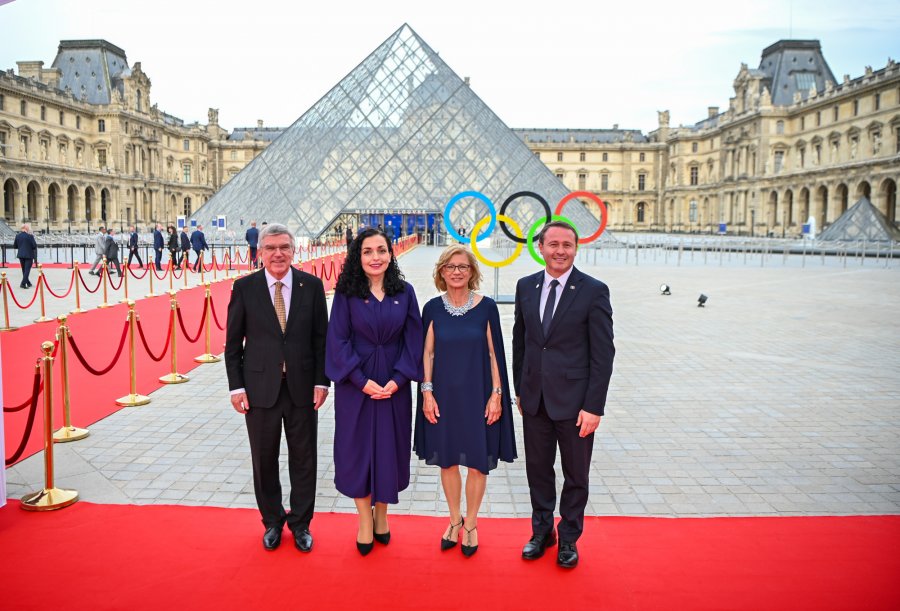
(401, 132)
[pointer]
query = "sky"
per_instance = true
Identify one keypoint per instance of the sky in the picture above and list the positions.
(578, 64)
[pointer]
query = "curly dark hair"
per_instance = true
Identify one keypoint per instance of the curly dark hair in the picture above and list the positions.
(353, 281)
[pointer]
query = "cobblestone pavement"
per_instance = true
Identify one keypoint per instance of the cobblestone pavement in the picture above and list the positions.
(780, 397)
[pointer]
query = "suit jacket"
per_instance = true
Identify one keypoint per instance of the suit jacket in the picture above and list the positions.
(252, 237)
(198, 241)
(571, 367)
(112, 248)
(100, 244)
(255, 346)
(158, 241)
(25, 245)
(133, 241)
(173, 242)
(185, 242)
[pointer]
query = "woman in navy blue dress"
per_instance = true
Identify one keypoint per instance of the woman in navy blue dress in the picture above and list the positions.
(465, 414)
(373, 351)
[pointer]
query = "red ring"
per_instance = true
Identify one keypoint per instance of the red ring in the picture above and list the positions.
(592, 196)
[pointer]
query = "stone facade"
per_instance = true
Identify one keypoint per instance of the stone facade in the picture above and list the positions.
(77, 150)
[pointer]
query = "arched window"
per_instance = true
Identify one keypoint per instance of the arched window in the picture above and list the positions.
(641, 212)
(138, 103)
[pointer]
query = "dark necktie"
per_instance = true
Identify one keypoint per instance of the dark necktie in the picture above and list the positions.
(548, 308)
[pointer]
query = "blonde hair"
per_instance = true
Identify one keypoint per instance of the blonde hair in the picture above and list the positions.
(449, 253)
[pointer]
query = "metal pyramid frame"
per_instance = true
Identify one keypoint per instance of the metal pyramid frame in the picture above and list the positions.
(400, 132)
(862, 221)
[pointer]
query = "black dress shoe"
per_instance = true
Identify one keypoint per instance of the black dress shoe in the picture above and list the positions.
(365, 548)
(383, 538)
(451, 542)
(535, 547)
(303, 540)
(272, 538)
(567, 556)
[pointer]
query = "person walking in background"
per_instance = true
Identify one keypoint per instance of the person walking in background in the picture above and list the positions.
(158, 245)
(275, 360)
(133, 248)
(252, 237)
(198, 243)
(349, 236)
(465, 412)
(112, 252)
(99, 250)
(26, 250)
(374, 351)
(185, 243)
(173, 245)
(562, 362)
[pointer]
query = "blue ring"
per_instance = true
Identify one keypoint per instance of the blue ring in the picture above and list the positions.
(487, 202)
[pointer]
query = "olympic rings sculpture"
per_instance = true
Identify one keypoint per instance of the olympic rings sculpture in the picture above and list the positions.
(506, 222)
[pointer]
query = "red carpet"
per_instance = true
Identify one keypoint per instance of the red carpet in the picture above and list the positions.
(97, 333)
(152, 557)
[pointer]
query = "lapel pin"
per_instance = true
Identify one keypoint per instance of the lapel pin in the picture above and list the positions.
(537, 286)
(396, 302)
(571, 287)
(301, 284)
(366, 301)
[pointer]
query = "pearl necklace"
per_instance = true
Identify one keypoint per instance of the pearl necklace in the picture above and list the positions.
(458, 310)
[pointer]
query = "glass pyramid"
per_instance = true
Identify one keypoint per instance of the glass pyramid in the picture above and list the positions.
(862, 221)
(401, 132)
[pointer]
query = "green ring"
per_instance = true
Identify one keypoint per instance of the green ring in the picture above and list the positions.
(531, 232)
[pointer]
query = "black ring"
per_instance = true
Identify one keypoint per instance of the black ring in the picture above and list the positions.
(510, 199)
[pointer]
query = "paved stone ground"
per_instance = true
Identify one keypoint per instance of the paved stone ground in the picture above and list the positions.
(779, 398)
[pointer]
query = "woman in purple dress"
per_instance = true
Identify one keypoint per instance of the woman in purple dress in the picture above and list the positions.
(373, 352)
(465, 413)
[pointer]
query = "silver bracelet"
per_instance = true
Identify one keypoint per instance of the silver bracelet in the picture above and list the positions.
(426, 387)
(497, 391)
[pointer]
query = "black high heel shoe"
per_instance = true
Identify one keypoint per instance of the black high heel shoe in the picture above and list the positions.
(364, 548)
(469, 550)
(383, 538)
(451, 543)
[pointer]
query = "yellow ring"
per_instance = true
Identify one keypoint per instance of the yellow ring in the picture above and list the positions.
(509, 259)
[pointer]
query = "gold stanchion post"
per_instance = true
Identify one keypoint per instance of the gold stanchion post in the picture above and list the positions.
(126, 271)
(202, 269)
(174, 377)
(78, 309)
(41, 282)
(104, 280)
(133, 399)
(151, 272)
(184, 270)
(4, 288)
(215, 274)
(50, 497)
(171, 274)
(67, 432)
(207, 357)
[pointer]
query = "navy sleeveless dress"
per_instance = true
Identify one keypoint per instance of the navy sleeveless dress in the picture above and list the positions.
(462, 385)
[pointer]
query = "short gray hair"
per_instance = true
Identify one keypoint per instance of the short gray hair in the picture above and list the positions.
(274, 229)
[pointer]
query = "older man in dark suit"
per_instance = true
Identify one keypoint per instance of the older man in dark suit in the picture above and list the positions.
(562, 362)
(158, 244)
(198, 243)
(26, 251)
(275, 359)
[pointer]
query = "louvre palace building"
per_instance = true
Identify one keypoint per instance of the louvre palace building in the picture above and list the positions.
(83, 144)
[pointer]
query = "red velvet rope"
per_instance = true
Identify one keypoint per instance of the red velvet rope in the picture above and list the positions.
(33, 297)
(147, 347)
(158, 277)
(99, 282)
(176, 276)
(212, 309)
(105, 370)
(112, 284)
(325, 275)
(184, 331)
(135, 276)
(35, 392)
(64, 295)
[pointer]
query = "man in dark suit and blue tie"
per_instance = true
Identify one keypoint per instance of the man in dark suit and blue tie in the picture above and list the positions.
(198, 243)
(562, 362)
(252, 237)
(158, 244)
(133, 240)
(275, 359)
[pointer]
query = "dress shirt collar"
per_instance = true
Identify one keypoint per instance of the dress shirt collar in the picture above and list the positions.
(563, 279)
(286, 281)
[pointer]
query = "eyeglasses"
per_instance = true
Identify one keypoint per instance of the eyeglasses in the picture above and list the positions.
(286, 248)
(463, 268)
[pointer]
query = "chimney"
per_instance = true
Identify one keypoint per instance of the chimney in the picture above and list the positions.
(259, 123)
(615, 126)
(712, 111)
(466, 81)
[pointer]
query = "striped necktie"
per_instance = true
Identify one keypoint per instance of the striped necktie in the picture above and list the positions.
(279, 306)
